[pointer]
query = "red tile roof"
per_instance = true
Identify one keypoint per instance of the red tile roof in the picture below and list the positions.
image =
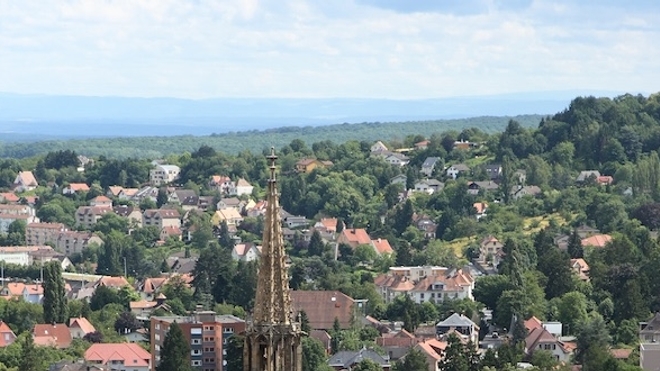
(79, 187)
(82, 323)
(533, 323)
(9, 197)
(7, 336)
(57, 335)
(355, 237)
(480, 206)
(322, 307)
(621, 353)
(382, 246)
(597, 240)
(132, 354)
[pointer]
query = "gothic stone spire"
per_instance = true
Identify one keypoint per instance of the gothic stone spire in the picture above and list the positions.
(272, 341)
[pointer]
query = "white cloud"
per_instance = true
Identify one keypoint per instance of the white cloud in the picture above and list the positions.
(297, 48)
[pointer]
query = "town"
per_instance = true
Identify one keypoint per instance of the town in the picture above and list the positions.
(528, 249)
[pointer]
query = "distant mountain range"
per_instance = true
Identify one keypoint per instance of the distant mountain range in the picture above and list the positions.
(40, 117)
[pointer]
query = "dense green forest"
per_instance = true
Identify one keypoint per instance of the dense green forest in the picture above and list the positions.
(255, 140)
(618, 137)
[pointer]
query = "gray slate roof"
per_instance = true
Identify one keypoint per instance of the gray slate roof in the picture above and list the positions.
(346, 359)
(430, 162)
(456, 320)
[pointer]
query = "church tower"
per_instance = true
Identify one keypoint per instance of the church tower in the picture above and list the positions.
(272, 337)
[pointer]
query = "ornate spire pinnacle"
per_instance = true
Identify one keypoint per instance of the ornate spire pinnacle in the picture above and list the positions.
(273, 339)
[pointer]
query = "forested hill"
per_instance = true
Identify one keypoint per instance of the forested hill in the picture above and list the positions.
(256, 140)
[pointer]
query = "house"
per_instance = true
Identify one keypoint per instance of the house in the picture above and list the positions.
(223, 184)
(587, 174)
(434, 351)
(101, 201)
(324, 338)
(7, 336)
(187, 198)
(396, 343)
(420, 146)
(163, 174)
(460, 325)
(604, 180)
(20, 255)
(649, 356)
(494, 171)
(585, 231)
(74, 188)
(9, 197)
(170, 231)
(138, 194)
(38, 234)
(490, 250)
(378, 147)
(426, 225)
(482, 186)
(326, 225)
(33, 293)
(12, 213)
(539, 338)
(25, 181)
(88, 216)
(307, 165)
(463, 144)
(397, 159)
(355, 237)
(322, 307)
(161, 218)
(295, 221)
(481, 208)
(518, 192)
(347, 360)
(143, 308)
(428, 166)
(52, 335)
(454, 284)
(429, 186)
(521, 176)
(649, 331)
(79, 327)
(246, 252)
(230, 216)
(581, 268)
(400, 179)
(597, 240)
(132, 213)
(243, 187)
(74, 242)
(121, 356)
(382, 246)
(455, 170)
(230, 203)
(80, 365)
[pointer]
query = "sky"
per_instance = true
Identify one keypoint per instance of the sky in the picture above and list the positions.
(327, 48)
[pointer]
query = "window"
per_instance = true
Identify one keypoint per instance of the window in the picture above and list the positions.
(195, 352)
(195, 331)
(157, 326)
(157, 337)
(209, 328)
(229, 329)
(196, 341)
(209, 349)
(196, 363)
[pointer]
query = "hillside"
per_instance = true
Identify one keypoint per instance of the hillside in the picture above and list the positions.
(254, 140)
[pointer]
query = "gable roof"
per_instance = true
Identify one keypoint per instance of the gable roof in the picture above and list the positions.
(480, 207)
(9, 197)
(533, 323)
(322, 307)
(456, 320)
(27, 178)
(597, 240)
(132, 354)
(57, 335)
(7, 336)
(78, 187)
(382, 246)
(345, 359)
(356, 236)
(584, 175)
(82, 323)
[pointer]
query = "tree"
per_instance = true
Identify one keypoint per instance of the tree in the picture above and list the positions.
(544, 360)
(336, 336)
(103, 296)
(366, 365)
(109, 260)
(574, 248)
(572, 310)
(55, 305)
(235, 353)
(316, 246)
(414, 361)
(304, 322)
(175, 351)
(313, 354)
(455, 358)
(488, 289)
(555, 265)
(93, 337)
(126, 323)
(29, 358)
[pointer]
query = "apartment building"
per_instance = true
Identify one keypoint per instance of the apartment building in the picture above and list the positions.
(38, 234)
(11, 213)
(164, 174)
(161, 218)
(206, 332)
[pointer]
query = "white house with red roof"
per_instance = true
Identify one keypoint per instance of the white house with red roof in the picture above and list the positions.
(433, 284)
(490, 250)
(25, 181)
(246, 252)
(79, 327)
(121, 356)
(7, 336)
(74, 188)
(539, 337)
